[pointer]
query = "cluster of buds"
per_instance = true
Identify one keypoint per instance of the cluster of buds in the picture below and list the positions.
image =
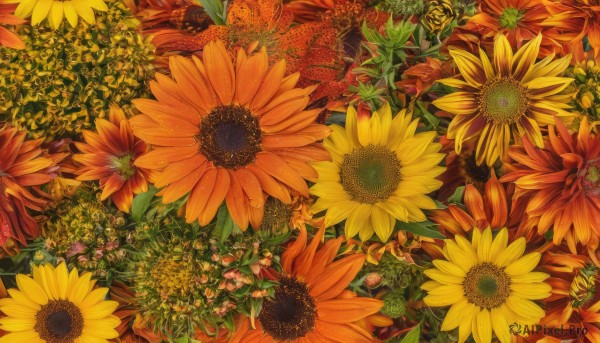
(185, 277)
(587, 82)
(66, 78)
(86, 234)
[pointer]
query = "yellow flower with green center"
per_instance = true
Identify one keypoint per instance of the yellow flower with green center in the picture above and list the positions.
(56, 306)
(488, 285)
(56, 10)
(509, 96)
(381, 172)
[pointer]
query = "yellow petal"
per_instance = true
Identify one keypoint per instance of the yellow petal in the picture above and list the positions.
(84, 11)
(524, 264)
(70, 13)
(31, 289)
(40, 12)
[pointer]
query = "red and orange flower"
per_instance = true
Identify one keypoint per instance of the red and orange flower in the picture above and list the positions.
(109, 156)
(7, 37)
(574, 19)
(24, 167)
(561, 183)
(229, 130)
(312, 292)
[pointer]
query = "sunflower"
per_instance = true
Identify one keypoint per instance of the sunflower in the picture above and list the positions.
(229, 131)
(55, 10)
(561, 183)
(57, 307)
(381, 172)
(487, 284)
(510, 96)
(312, 294)
(25, 167)
(109, 155)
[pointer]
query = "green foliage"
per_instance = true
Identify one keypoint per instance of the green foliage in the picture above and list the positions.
(216, 10)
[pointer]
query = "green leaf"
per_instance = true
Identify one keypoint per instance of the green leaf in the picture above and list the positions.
(413, 335)
(141, 203)
(216, 10)
(425, 229)
(224, 226)
(457, 197)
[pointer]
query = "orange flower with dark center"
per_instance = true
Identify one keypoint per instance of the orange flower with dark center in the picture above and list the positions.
(24, 166)
(311, 303)
(574, 19)
(561, 183)
(229, 130)
(109, 156)
(7, 37)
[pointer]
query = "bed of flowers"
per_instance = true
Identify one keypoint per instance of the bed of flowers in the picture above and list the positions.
(308, 171)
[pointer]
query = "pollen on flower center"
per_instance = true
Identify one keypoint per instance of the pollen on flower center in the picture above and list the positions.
(124, 165)
(510, 17)
(486, 285)
(590, 175)
(370, 174)
(230, 136)
(59, 321)
(503, 100)
(291, 313)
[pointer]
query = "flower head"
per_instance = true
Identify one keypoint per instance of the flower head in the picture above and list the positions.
(575, 19)
(510, 96)
(56, 306)
(56, 10)
(229, 131)
(561, 183)
(381, 172)
(488, 285)
(312, 293)
(109, 156)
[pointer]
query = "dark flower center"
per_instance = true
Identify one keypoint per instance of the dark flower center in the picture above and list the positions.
(486, 285)
(277, 216)
(230, 136)
(503, 100)
(472, 172)
(59, 321)
(370, 174)
(291, 313)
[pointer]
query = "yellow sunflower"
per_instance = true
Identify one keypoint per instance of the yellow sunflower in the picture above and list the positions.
(510, 96)
(58, 307)
(55, 10)
(381, 172)
(488, 286)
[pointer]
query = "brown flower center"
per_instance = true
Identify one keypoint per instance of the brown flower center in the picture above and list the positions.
(503, 100)
(486, 285)
(59, 321)
(370, 174)
(230, 136)
(472, 172)
(291, 313)
(277, 216)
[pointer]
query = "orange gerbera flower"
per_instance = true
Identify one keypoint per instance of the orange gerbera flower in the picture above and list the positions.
(109, 155)
(561, 183)
(575, 19)
(519, 20)
(224, 130)
(7, 37)
(312, 294)
(24, 166)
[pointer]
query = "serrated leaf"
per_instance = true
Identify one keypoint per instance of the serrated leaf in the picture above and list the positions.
(413, 335)
(425, 229)
(141, 203)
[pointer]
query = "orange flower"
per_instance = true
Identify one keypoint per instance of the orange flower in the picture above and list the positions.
(312, 292)
(109, 156)
(574, 300)
(575, 19)
(232, 131)
(519, 20)
(24, 166)
(7, 37)
(492, 208)
(561, 183)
